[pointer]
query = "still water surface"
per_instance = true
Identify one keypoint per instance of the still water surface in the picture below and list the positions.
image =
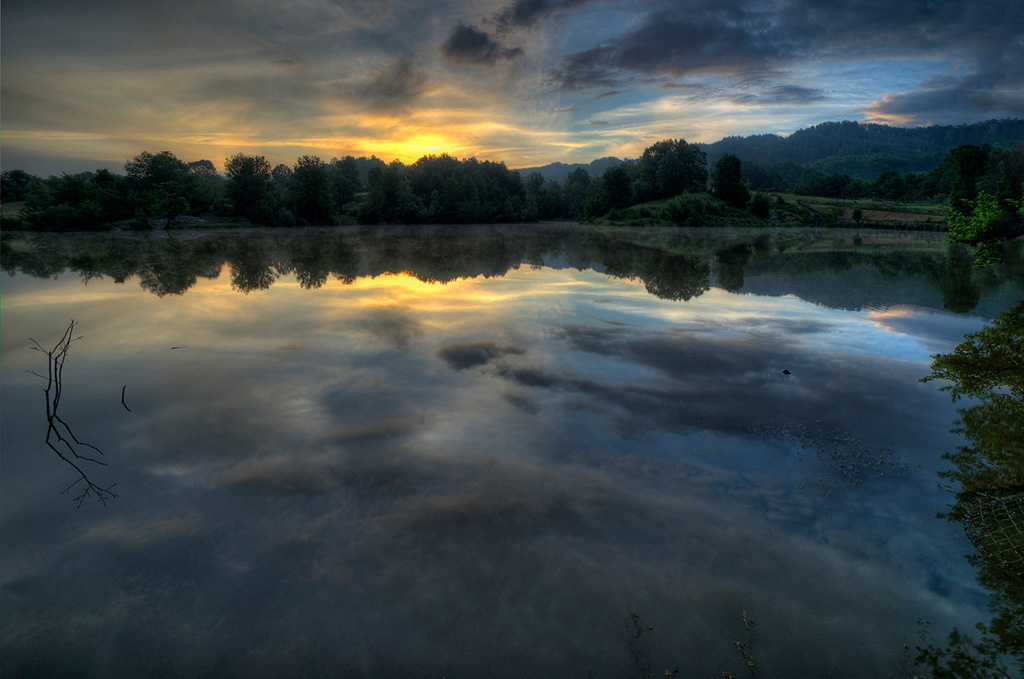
(483, 453)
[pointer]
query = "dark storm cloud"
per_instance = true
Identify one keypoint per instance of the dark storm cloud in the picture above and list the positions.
(946, 105)
(739, 39)
(669, 44)
(583, 73)
(470, 46)
(529, 12)
(395, 85)
(990, 79)
(994, 88)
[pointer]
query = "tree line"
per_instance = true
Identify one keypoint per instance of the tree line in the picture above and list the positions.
(442, 189)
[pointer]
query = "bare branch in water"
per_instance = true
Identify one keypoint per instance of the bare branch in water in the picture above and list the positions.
(59, 436)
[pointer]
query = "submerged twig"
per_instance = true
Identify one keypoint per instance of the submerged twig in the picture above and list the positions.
(59, 436)
(746, 649)
(122, 398)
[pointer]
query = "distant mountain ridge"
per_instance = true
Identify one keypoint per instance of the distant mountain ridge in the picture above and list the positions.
(861, 150)
(865, 150)
(557, 172)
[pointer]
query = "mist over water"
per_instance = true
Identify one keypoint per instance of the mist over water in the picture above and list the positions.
(486, 452)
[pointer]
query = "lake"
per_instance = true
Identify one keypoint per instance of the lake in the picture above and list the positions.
(539, 451)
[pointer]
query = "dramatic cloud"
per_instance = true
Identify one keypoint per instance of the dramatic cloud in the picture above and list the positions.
(529, 12)
(737, 39)
(88, 86)
(471, 46)
(396, 84)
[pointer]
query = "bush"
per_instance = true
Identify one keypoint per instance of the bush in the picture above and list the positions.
(760, 205)
(685, 211)
(54, 218)
(11, 223)
(285, 218)
(89, 216)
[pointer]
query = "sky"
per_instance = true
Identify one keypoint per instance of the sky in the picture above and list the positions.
(527, 82)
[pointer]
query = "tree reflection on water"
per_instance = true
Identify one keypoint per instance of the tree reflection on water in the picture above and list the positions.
(988, 478)
(674, 264)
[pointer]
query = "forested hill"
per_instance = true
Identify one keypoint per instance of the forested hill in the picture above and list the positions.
(557, 172)
(864, 150)
(860, 150)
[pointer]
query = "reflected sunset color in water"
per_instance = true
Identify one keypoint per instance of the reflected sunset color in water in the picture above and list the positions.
(374, 474)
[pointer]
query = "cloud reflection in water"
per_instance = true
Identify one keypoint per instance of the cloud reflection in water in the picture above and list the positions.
(394, 478)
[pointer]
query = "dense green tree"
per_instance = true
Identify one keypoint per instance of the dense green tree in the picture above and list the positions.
(281, 174)
(344, 180)
(150, 171)
(983, 224)
(390, 198)
(614, 192)
(727, 181)
(576, 192)
(203, 168)
(447, 190)
(14, 185)
(969, 163)
(155, 183)
(348, 169)
(206, 192)
(668, 168)
(250, 189)
(760, 205)
(82, 202)
(310, 191)
(1007, 175)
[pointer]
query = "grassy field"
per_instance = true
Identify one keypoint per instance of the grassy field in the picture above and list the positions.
(11, 209)
(707, 211)
(933, 209)
(874, 212)
(786, 210)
